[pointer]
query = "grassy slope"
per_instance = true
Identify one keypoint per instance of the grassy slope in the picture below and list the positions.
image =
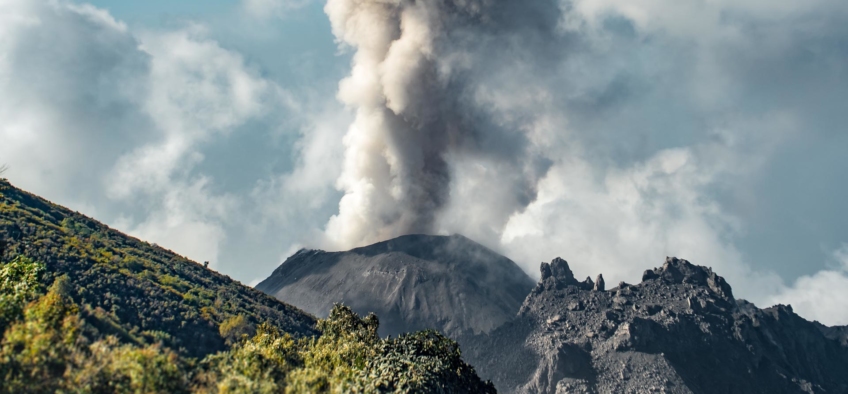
(129, 288)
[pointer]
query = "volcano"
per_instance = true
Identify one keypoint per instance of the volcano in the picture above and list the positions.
(414, 282)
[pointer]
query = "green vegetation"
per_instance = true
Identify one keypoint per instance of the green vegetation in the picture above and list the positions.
(19, 284)
(137, 292)
(44, 349)
(91, 310)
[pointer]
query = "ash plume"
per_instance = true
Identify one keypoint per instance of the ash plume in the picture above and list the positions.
(412, 87)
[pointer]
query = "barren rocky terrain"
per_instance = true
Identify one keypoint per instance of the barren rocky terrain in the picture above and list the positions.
(678, 331)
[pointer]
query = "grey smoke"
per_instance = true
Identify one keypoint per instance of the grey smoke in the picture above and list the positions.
(607, 131)
(413, 84)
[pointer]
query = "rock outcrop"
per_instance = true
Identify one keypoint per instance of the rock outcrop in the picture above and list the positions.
(839, 334)
(679, 331)
(599, 283)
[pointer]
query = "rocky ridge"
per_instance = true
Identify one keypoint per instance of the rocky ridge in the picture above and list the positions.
(679, 331)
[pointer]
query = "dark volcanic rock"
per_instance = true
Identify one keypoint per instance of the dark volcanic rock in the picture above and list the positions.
(599, 283)
(679, 331)
(412, 283)
(839, 334)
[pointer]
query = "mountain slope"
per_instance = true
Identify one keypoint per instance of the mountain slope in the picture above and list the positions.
(137, 291)
(412, 282)
(679, 331)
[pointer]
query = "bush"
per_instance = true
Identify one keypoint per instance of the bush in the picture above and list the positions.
(19, 284)
(235, 328)
(36, 351)
(257, 365)
(108, 367)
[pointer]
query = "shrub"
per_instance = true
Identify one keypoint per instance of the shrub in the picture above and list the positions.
(36, 351)
(235, 328)
(108, 367)
(257, 365)
(19, 284)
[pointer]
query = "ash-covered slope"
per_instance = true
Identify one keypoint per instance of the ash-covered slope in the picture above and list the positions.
(679, 331)
(413, 282)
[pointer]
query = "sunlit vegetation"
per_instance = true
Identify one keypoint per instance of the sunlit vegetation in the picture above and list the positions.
(45, 349)
(91, 310)
(135, 291)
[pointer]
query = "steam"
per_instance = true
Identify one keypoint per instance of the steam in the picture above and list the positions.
(606, 132)
(411, 89)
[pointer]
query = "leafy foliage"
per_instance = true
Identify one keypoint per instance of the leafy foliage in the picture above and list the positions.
(425, 361)
(45, 351)
(348, 357)
(19, 284)
(235, 328)
(257, 365)
(34, 351)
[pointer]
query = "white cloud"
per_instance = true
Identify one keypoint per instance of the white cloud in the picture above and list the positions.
(700, 21)
(61, 68)
(298, 203)
(822, 296)
(188, 220)
(98, 16)
(197, 91)
(97, 115)
(263, 9)
(625, 220)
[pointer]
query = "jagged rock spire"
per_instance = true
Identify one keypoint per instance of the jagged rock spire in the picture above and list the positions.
(561, 271)
(599, 283)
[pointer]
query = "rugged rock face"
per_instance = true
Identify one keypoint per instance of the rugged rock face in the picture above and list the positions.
(839, 333)
(412, 283)
(679, 331)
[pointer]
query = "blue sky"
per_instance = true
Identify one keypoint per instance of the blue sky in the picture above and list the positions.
(295, 47)
(608, 132)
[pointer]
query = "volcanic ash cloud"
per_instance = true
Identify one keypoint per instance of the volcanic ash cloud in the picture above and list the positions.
(414, 84)
(395, 176)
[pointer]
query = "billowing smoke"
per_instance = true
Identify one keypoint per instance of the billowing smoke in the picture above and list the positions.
(612, 133)
(412, 89)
